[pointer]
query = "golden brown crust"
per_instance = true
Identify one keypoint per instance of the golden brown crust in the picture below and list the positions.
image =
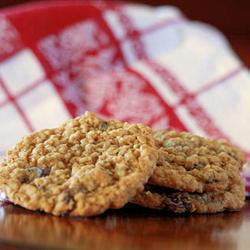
(195, 164)
(82, 168)
(184, 202)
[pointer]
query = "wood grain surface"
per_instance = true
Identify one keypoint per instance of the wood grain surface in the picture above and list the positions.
(125, 229)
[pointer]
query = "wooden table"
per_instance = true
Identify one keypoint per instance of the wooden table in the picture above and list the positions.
(125, 229)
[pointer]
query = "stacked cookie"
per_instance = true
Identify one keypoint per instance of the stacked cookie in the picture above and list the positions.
(194, 174)
(89, 165)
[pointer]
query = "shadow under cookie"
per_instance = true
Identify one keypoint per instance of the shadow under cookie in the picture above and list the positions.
(156, 197)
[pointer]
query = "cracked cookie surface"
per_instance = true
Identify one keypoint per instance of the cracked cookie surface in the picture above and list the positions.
(82, 168)
(192, 163)
(183, 202)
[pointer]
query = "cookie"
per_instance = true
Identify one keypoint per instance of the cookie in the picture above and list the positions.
(82, 168)
(183, 202)
(192, 163)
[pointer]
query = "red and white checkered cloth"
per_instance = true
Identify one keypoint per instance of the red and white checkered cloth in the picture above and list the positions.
(131, 62)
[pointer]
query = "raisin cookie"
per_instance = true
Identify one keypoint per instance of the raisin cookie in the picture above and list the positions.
(183, 202)
(192, 163)
(82, 168)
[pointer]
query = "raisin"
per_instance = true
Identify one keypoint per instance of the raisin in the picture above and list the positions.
(103, 125)
(37, 171)
(67, 197)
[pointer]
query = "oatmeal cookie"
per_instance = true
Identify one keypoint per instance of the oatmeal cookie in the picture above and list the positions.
(192, 163)
(82, 168)
(183, 202)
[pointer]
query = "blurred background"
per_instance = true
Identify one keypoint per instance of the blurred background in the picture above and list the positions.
(230, 16)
